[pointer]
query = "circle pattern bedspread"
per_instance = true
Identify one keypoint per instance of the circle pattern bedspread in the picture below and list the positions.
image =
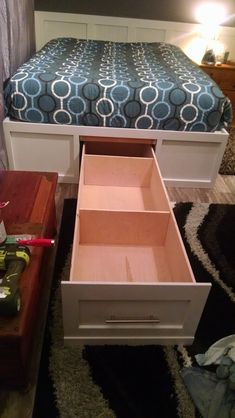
(113, 84)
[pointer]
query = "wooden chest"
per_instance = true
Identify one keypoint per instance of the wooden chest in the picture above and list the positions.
(130, 280)
(31, 211)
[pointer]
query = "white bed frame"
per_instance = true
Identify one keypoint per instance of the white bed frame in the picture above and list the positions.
(186, 159)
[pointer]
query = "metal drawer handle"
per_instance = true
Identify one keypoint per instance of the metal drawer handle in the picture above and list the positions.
(148, 320)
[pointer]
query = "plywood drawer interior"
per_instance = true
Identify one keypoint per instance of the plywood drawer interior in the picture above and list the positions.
(125, 224)
(130, 278)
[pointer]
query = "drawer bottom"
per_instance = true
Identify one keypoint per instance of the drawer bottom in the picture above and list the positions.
(123, 263)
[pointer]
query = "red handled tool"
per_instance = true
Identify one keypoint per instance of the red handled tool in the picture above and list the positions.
(36, 242)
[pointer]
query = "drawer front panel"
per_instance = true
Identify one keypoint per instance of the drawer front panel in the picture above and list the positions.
(223, 77)
(227, 84)
(129, 314)
(115, 314)
(231, 95)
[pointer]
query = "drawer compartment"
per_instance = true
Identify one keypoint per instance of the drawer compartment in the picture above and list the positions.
(129, 247)
(121, 183)
(130, 279)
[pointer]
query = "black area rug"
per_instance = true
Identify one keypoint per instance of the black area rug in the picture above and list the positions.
(228, 162)
(142, 381)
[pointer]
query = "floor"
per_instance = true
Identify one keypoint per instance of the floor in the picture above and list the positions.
(222, 192)
(19, 404)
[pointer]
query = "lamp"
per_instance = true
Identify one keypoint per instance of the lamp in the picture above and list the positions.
(211, 15)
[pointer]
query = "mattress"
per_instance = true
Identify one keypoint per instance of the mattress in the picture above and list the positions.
(113, 84)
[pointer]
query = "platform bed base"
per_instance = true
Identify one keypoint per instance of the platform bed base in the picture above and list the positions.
(186, 159)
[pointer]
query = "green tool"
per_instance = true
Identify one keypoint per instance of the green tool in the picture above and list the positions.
(13, 259)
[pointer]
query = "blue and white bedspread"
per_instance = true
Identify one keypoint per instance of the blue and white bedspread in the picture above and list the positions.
(129, 85)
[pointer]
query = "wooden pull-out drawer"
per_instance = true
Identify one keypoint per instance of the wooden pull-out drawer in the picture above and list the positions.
(130, 277)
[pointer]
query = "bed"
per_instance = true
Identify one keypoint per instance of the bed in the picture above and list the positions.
(75, 88)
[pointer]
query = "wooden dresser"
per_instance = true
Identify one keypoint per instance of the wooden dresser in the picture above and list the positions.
(130, 280)
(31, 210)
(224, 76)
